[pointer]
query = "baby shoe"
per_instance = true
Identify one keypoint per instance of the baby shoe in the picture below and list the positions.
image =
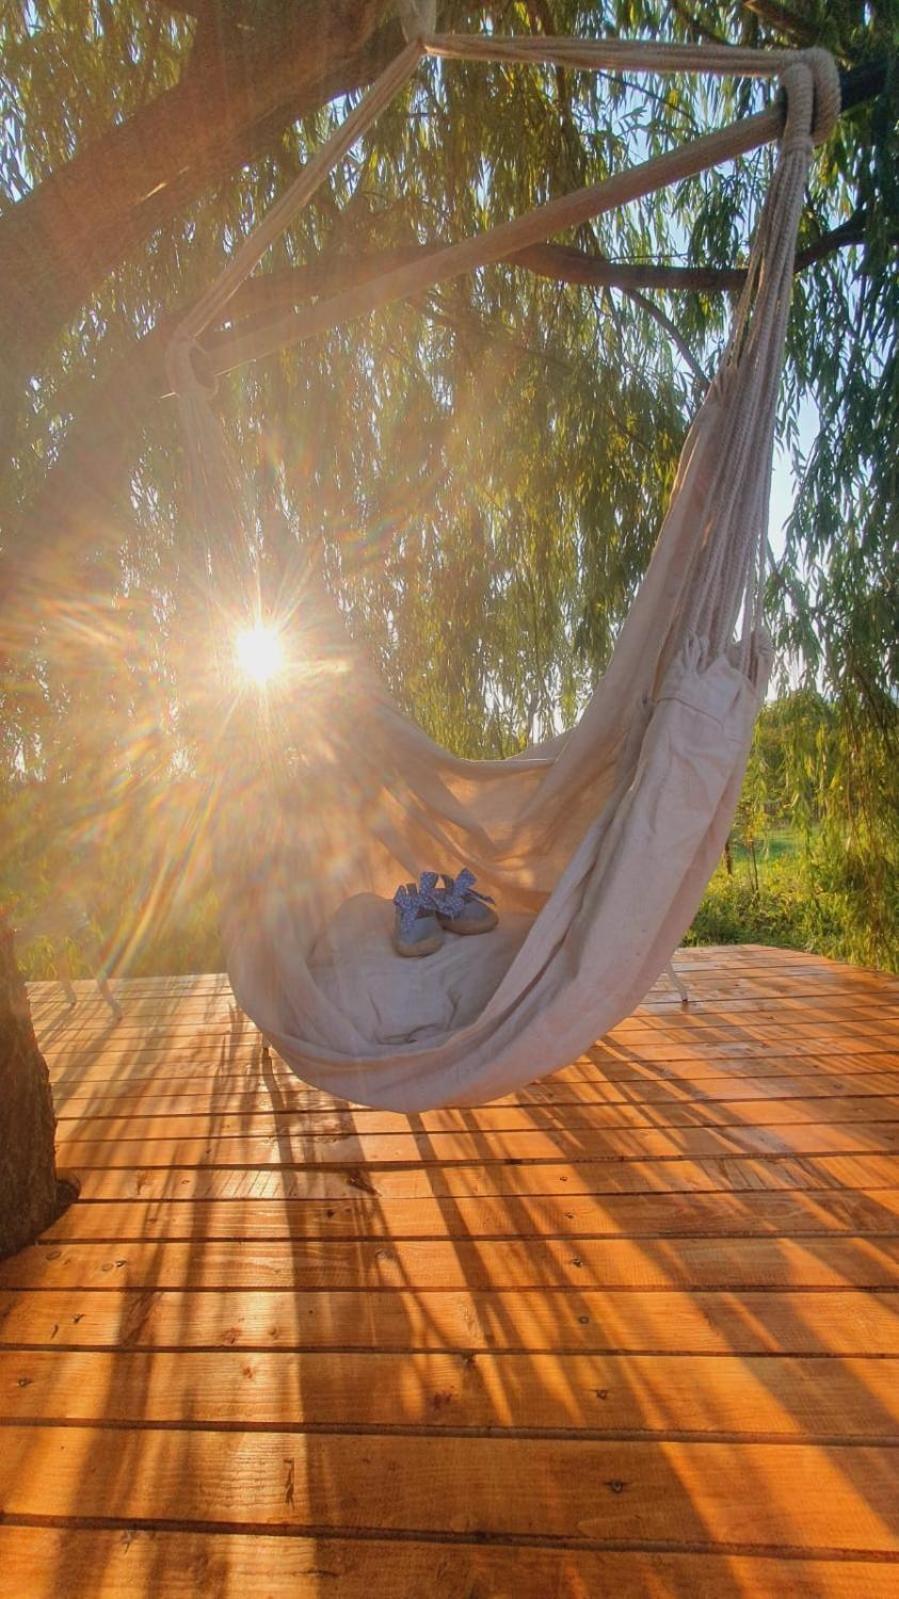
(461, 908)
(416, 928)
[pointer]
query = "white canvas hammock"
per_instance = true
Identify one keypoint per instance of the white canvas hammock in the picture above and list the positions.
(597, 846)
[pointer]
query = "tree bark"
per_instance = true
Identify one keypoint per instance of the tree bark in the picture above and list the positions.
(31, 1194)
(238, 91)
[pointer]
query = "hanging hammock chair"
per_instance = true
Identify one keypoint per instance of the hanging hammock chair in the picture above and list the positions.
(597, 845)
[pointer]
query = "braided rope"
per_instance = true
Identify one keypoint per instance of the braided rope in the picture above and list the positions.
(827, 93)
(730, 569)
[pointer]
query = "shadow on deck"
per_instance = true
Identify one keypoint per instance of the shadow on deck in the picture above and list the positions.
(632, 1331)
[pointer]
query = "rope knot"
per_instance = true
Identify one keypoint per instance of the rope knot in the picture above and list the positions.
(828, 94)
(811, 83)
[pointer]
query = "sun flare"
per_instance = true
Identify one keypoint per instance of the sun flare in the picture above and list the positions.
(259, 652)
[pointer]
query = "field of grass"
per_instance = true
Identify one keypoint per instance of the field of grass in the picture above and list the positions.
(767, 899)
(780, 843)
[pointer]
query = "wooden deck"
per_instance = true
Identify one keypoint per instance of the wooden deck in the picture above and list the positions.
(634, 1331)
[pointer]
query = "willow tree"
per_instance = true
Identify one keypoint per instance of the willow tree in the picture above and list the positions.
(479, 474)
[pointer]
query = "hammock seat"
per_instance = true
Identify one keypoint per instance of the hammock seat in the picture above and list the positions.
(597, 845)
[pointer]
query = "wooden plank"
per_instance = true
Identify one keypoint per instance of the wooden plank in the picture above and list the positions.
(619, 1067)
(716, 1030)
(387, 1263)
(709, 969)
(775, 970)
(174, 1071)
(205, 1053)
(752, 1004)
(612, 1395)
(260, 1278)
(756, 977)
(227, 1102)
(747, 1016)
(79, 1563)
(715, 1026)
(293, 1147)
(291, 1098)
(829, 1322)
(797, 1214)
(785, 1042)
(861, 1172)
(757, 994)
(837, 1111)
(213, 1053)
(618, 1493)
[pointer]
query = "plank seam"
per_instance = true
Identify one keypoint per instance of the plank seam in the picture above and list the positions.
(331, 1533)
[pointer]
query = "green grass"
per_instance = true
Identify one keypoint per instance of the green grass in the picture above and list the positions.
(779, 843)
(734, 911)
(771, 898)
(761, 901)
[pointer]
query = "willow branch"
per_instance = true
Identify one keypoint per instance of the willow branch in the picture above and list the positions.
(783, 19)
(698, 29)
(673, 333)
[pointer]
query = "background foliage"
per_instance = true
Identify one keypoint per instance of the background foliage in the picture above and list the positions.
(479, 475)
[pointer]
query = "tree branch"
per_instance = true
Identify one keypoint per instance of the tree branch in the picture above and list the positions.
(673, 333)
(698, 29)
(75, 494)
(59, 243)
(569, 265)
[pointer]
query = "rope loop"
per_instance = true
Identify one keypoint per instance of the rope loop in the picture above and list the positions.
(418, 18)
(811, 85)
(798, 88)
(828, 94)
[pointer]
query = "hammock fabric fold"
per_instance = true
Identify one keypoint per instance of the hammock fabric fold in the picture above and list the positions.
(596, 846)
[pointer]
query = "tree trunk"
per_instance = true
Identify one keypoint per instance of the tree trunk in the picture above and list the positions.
(31, 1195)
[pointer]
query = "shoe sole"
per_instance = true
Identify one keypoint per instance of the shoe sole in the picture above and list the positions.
(469, 929)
